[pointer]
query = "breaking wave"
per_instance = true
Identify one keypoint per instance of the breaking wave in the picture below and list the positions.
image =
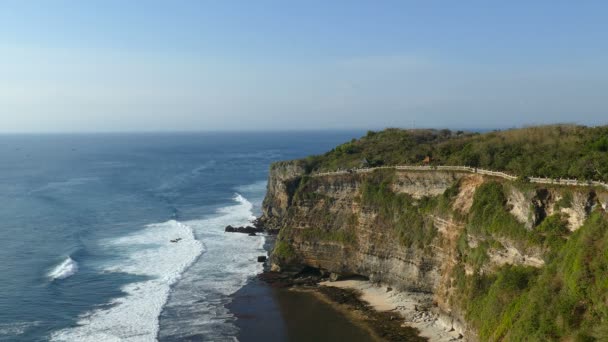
(67, 268)
(161, 252)
(190, 295)
(197, 307)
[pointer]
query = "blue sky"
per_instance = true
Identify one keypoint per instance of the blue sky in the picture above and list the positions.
(273, 65)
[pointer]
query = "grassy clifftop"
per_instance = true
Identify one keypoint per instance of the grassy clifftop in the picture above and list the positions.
(516, 261)
(556, 151)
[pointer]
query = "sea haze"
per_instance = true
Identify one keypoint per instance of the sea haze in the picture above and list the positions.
(87, 223)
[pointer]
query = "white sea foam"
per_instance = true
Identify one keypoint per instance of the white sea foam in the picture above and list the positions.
(245, 210)
(66, 268)
(134, 317)
(197, 304)
(16, 328)
(197, 307)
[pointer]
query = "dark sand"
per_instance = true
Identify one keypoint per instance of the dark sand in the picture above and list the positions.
(265, 313)
(273, 313)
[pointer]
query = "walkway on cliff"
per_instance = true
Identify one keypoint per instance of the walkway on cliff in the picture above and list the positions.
(539, 180)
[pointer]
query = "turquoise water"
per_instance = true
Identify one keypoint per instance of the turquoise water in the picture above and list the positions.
(86, 225)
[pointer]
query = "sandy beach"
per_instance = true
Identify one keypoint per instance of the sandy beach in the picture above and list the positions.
(413, 307)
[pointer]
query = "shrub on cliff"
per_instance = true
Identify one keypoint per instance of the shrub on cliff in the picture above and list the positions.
(407, 216)
(488, 215)
(565, 300)
(284, 251)
(557, 151)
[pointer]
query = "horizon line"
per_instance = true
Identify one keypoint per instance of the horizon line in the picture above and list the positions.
(272, 130)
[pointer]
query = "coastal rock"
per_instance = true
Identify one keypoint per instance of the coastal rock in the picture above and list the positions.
(246, 230)
(258, 223)
(262, 258)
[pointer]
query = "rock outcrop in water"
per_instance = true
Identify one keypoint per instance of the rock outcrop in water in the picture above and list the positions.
(258, 226)
(435, 232)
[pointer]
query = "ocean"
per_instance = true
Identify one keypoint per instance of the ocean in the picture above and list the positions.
(86, 223)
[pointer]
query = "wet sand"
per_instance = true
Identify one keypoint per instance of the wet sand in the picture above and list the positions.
(278, 312)
(265, 313)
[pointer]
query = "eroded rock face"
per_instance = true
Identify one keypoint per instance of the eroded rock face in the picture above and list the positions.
(602, 199)
(464, 199)
(520, 207)
(534, 205)
(283, 180)
(510, 255)
(420, 184)
(582, 204)
(323, 224)
(329, 229)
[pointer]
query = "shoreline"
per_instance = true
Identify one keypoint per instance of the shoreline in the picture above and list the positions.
(280, 307)
(353, 300)
(414, 309)
(269, 313)
(382, 325)
(384, 314)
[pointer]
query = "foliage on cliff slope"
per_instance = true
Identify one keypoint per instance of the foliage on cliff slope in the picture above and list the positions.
(565, 300)
(400, 212)
(565, 151)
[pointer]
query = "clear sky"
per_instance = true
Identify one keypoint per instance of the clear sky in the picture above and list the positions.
(272, 65)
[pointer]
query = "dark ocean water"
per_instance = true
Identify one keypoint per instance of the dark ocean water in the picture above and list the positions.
(86, 223)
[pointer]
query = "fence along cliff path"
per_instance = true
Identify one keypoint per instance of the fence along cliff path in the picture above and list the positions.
(539, 180)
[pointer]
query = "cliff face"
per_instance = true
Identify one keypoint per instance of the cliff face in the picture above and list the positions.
(329, 228)
(283, 181)
(420, 231)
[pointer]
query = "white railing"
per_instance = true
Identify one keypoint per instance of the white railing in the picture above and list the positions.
(539, 180)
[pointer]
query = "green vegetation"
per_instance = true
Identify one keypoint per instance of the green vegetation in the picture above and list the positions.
(490, 220)
(554, 232)
(283, 251)
(565, 201)
(489, 216)
(301, 186)
(558, 151)
(401, 212)
(478, 255)
(565, 300)
(491, 294)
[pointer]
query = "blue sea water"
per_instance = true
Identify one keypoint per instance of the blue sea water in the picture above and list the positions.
(86, 223)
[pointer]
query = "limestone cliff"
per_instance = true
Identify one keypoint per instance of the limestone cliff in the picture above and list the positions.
(283, 180)
(415, 230)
